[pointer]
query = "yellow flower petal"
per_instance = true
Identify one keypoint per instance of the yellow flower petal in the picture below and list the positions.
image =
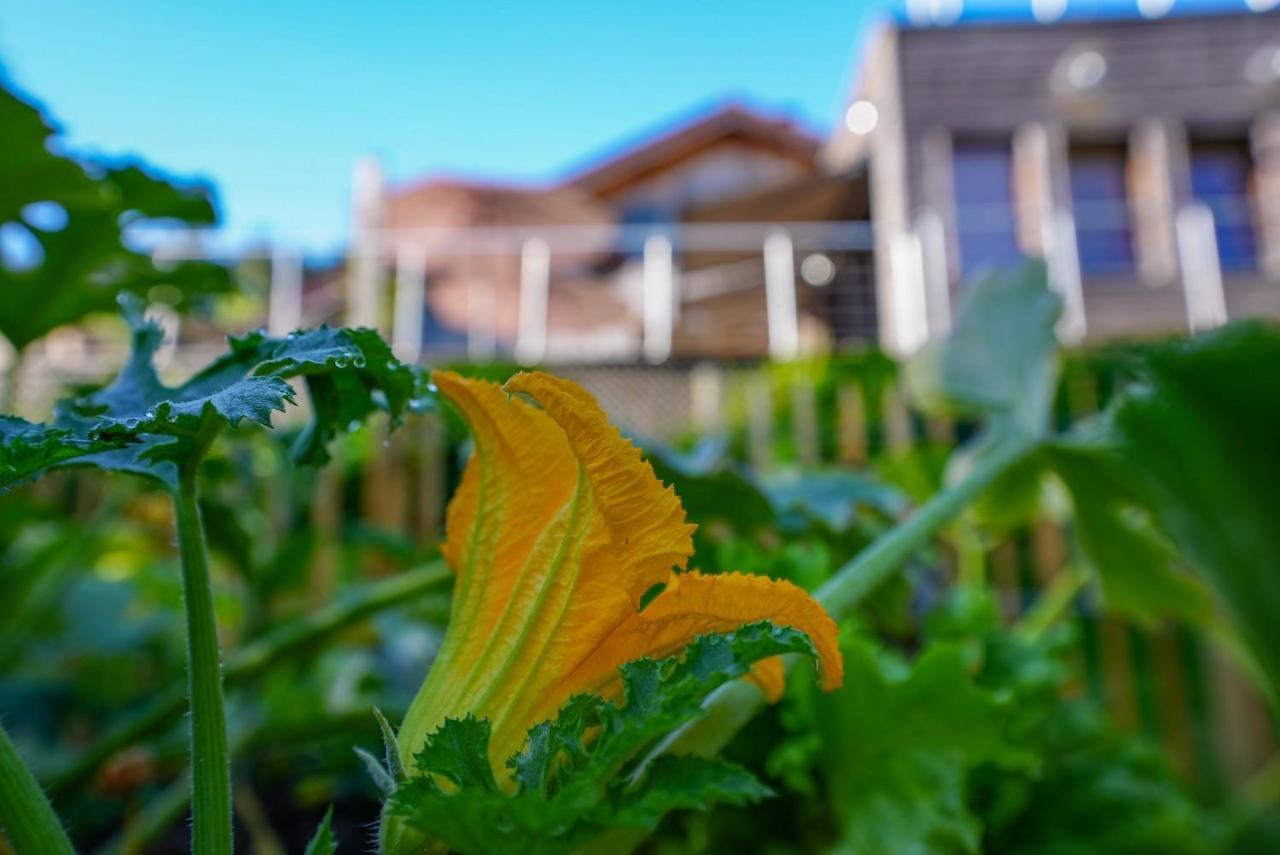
(770, 677)
(557, 531)
(691, 605)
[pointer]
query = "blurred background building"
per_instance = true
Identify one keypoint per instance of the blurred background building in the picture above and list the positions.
(1139, 158)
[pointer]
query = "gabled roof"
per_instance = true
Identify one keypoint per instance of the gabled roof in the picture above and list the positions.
(455, 202)
(654, 152)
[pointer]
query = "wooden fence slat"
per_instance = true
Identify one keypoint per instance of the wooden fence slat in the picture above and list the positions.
(759, 421)
(326, 522)
(852, 429)
(428, 486)
(897, 421)
(1118, 684)
(1244, 735)
(804, 423)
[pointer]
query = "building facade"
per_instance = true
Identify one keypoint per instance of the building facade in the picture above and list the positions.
(1140, 158)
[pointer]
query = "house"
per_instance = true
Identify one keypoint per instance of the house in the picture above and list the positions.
(589, 235)
(1139, 158)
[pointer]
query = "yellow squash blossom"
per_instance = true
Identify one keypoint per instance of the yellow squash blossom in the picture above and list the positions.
(556, 533)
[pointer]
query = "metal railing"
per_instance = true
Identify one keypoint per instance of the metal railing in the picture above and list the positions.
(389, 272)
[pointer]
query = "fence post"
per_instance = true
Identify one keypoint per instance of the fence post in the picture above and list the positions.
(535, 283)
(429, 433)
(364, 280)
(706, 398)
(326, 522)
(780, 296)
(1201, 272)
(804, 423)
(909, 314)
(482, 303)
(284, 302)
(897, 420)
(659, 298)
(1062, 258)
(933, 267)
(411, 287)
(759, 420)
(853, 424)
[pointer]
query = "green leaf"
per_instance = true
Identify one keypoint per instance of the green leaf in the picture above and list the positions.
(835, 497)
(322, 842)
(1137, 567)
(898, 743)
(28, 449)
(1000, 359)
(686, 783)
(711, 487)
(578, 775)
(1196, 445)
(138, 424)
(82, 265)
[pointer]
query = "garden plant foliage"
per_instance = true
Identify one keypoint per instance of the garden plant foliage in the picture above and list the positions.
(139, 425)
(958, 728)
(74, 215)
(575, 777)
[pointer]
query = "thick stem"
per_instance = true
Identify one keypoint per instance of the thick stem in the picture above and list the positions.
(853, 582)
(210, 760)
(25, 814)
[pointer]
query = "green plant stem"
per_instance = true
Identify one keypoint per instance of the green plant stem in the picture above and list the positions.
(260, 656)
(971, 553)
(730, 707)
(872, 567)
(25, 814)
(1053, 603)
(210, 760)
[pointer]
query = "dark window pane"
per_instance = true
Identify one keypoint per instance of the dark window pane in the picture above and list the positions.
(982, 174)
(1099, 198)
(1220, 180)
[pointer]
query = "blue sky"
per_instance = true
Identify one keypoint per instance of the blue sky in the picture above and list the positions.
(274, 100)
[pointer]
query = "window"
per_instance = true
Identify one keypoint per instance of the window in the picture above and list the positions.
(982, 174)
(1220, 174)
(1100, 200)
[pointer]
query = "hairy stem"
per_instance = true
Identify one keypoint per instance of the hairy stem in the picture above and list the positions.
(210, 760)
(25, 814)
(261, 655)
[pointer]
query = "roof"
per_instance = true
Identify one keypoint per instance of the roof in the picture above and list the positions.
(450, 202)
(655, 152)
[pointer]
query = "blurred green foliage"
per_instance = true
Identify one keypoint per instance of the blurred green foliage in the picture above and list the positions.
(67, 221)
